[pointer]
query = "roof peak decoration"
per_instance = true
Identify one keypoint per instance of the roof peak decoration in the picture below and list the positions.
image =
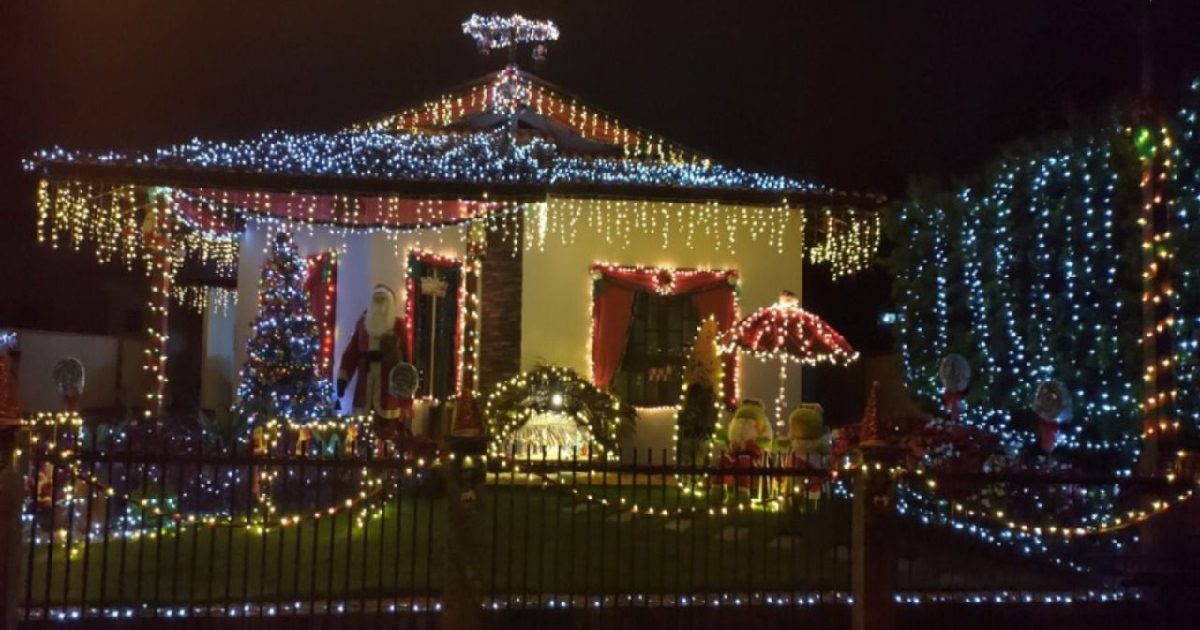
(495, 31)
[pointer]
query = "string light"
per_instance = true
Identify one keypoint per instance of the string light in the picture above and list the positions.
(321, 285)
(665, 284)
(698, 600)
(477, 157)
(850, 242)
(598, 416)
(220, 300)
(496, 31)
(1181, 190)
(975, 278)
(463, 307)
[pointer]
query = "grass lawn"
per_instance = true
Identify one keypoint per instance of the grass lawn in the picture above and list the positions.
(542, 541)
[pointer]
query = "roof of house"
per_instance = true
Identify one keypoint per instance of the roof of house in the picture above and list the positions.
(507, 133)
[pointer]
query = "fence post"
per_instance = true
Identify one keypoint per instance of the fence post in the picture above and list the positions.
(465, 543)
(873, 540)
(14, 443)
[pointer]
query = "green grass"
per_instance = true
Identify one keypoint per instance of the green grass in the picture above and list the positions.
(543, 541)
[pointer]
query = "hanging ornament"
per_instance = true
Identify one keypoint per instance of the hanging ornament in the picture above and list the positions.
(539, 52)
(69, 378)
(1052, 404)
(403, 380)
(955, 374)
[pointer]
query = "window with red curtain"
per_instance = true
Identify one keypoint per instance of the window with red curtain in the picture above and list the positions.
(644, 322)
(321, 286)
(435, 301)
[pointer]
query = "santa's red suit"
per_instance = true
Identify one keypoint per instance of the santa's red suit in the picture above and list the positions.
(371, 355)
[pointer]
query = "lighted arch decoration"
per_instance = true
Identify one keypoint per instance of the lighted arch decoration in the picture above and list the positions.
(561, 401)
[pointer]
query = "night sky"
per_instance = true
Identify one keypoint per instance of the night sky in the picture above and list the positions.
(858, 95)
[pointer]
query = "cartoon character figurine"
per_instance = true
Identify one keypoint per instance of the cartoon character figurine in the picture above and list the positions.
(747, 434)
(807, 447)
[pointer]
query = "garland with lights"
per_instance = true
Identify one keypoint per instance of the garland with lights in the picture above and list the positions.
(552, 390)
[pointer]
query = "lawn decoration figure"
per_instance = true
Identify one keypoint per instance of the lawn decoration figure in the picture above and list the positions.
(807, 447)
(955, 374)
(69, 379)
(377, 347)
(1052, 404)
(748, 433)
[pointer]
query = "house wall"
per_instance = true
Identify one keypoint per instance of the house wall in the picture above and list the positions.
(112, 369)
(557, 291)
(218, 375)
(364, 260)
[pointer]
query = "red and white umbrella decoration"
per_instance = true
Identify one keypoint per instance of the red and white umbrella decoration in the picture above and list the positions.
(786, 333)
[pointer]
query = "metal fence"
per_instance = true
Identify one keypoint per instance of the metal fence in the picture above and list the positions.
(117, 532)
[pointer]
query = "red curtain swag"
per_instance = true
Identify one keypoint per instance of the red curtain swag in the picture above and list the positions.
(712, 293)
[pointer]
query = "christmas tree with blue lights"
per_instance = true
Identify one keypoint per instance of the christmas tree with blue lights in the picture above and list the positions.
(281, 378)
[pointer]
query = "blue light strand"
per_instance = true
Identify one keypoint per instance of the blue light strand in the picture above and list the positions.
(480, 157)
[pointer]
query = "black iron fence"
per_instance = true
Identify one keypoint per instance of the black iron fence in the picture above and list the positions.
(117, 532)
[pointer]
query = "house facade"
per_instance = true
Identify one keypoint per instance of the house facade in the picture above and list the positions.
(516, 224)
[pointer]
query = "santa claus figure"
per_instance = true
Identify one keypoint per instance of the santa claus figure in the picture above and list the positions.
(376, 347)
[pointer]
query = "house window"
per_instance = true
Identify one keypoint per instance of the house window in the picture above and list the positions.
(661, 332)
(433, 311)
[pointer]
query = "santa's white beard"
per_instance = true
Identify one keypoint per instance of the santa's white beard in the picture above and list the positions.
(381, 318)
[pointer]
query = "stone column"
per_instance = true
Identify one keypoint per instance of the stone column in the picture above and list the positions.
(873, 540)
(14, 443)
(466, 546)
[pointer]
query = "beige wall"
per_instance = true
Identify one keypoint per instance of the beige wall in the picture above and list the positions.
(556, 294)
(112, 369)
(217, 374)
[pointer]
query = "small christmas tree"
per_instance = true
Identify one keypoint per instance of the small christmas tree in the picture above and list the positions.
(282, 376)
(701, 397)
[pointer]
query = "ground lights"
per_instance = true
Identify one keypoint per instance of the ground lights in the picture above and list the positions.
(553, 601)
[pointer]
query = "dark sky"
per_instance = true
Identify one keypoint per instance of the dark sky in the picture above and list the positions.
(856, 94)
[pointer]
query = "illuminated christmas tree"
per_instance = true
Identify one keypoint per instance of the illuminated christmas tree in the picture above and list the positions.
(700, 402)
(282, 377)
